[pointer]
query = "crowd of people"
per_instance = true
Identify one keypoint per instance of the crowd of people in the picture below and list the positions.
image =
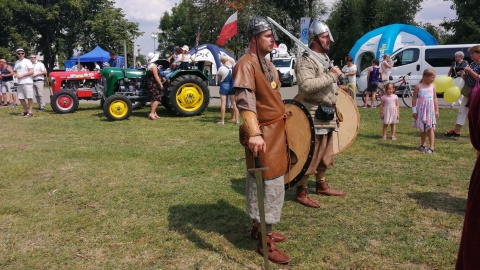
(252, 86)
(263, 134)
(30, 75)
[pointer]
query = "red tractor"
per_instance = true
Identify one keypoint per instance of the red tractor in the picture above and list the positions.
(68, 87)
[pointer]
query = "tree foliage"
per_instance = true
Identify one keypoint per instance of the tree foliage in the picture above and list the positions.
(466, 27)
(54, 28)
(212, 15)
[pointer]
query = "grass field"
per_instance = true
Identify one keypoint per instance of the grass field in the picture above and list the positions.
(80, 192)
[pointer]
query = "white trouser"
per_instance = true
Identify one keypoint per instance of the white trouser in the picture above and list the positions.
(38, 92)
(274, 195)
(462, 112)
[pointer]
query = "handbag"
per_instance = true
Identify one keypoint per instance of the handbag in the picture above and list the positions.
(325, 113)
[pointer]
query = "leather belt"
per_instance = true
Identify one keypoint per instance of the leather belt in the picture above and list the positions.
(37, 80)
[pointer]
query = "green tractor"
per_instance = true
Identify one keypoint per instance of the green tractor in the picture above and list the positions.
(125, 90)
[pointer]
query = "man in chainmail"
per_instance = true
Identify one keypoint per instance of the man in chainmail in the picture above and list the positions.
(256, 85)
(317, 86)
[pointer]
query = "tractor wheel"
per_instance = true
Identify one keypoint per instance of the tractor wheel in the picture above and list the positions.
(188, 95)
(64, 101)
(117, 107)
(164, 102)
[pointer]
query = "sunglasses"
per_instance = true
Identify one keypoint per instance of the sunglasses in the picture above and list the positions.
(20, 53)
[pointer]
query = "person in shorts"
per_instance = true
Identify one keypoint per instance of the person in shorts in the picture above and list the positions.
(23, 69)
(6, 74)
(373, 79)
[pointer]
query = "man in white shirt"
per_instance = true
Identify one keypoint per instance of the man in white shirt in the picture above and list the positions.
(23, 69)
(39, 73)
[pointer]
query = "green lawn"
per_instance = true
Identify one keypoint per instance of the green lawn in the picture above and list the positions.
(80, 192)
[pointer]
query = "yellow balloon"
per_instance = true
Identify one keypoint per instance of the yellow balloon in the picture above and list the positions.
(442, 83)
(451, 94)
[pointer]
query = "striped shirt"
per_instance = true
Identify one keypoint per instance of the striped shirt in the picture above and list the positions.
(470, 81)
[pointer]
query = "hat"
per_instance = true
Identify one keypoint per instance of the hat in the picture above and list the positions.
(19, 50)
(185, 48)
(153, 57)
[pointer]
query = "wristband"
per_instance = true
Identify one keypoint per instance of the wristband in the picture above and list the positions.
(414, 110)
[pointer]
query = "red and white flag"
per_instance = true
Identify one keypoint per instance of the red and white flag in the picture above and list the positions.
(229, 30)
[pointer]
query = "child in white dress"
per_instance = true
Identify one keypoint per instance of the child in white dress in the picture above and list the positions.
(389, 111)
(425, 110)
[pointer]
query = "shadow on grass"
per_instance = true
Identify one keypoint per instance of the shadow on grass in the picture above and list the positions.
(440, 201)
(238, 185)
(221, 218)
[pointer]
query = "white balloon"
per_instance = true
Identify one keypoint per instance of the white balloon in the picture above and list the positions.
(458, 82)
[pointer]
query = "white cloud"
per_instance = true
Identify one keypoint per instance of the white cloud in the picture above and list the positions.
(147, 14)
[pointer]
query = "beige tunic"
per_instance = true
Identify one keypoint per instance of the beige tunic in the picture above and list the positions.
(317, 85)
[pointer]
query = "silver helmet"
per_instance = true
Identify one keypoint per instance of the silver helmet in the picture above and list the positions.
(317, 28)
(258, 24)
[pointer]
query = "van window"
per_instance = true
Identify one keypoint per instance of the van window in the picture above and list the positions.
(442, 57)
(407, 56)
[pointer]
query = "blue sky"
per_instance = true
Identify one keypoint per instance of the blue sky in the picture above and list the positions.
(147, 13)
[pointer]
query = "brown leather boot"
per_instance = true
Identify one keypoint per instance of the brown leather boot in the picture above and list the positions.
(255, 233)
(302, 197)
(274, 254)
(324, 189)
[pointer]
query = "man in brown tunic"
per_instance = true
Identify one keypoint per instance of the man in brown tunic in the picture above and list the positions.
(262, 133)
(317, 85)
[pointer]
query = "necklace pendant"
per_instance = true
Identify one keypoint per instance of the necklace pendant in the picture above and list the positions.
(274, 85)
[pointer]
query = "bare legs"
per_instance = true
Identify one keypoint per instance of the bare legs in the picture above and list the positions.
(392, 129)
(431, 137)
(223, 107)
(26, 109)
(234, 109)
(153, 110)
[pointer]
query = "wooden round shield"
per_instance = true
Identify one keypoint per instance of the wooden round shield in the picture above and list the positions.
(348, 129)
(300, 139)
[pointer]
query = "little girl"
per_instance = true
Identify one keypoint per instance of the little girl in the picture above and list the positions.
(425, 112)
(389, 111)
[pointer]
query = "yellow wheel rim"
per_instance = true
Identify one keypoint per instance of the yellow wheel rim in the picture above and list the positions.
(118, 108)
(189, 97)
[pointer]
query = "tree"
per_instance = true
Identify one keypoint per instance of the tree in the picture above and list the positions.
(466, 27)
(212, 15)
(54, 28)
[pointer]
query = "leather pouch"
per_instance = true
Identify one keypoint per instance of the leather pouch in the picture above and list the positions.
(325, 113)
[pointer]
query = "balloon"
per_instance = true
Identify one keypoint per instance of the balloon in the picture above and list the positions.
(442, 83)
(458, 82)
(451, 94)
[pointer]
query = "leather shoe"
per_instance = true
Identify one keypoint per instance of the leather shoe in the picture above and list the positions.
(302, 197)
(324, 189)
(274, 254)
(255, 233)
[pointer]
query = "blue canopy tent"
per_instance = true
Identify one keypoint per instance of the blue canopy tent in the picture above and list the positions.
(388, 39)
(98, 55)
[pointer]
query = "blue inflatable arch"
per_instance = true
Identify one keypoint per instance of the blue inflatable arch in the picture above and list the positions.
(388, 39)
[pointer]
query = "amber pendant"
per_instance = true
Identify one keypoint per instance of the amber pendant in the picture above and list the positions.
(273, 84)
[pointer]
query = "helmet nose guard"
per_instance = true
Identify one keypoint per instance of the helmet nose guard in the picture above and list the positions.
(258, 24)
(317, 28)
